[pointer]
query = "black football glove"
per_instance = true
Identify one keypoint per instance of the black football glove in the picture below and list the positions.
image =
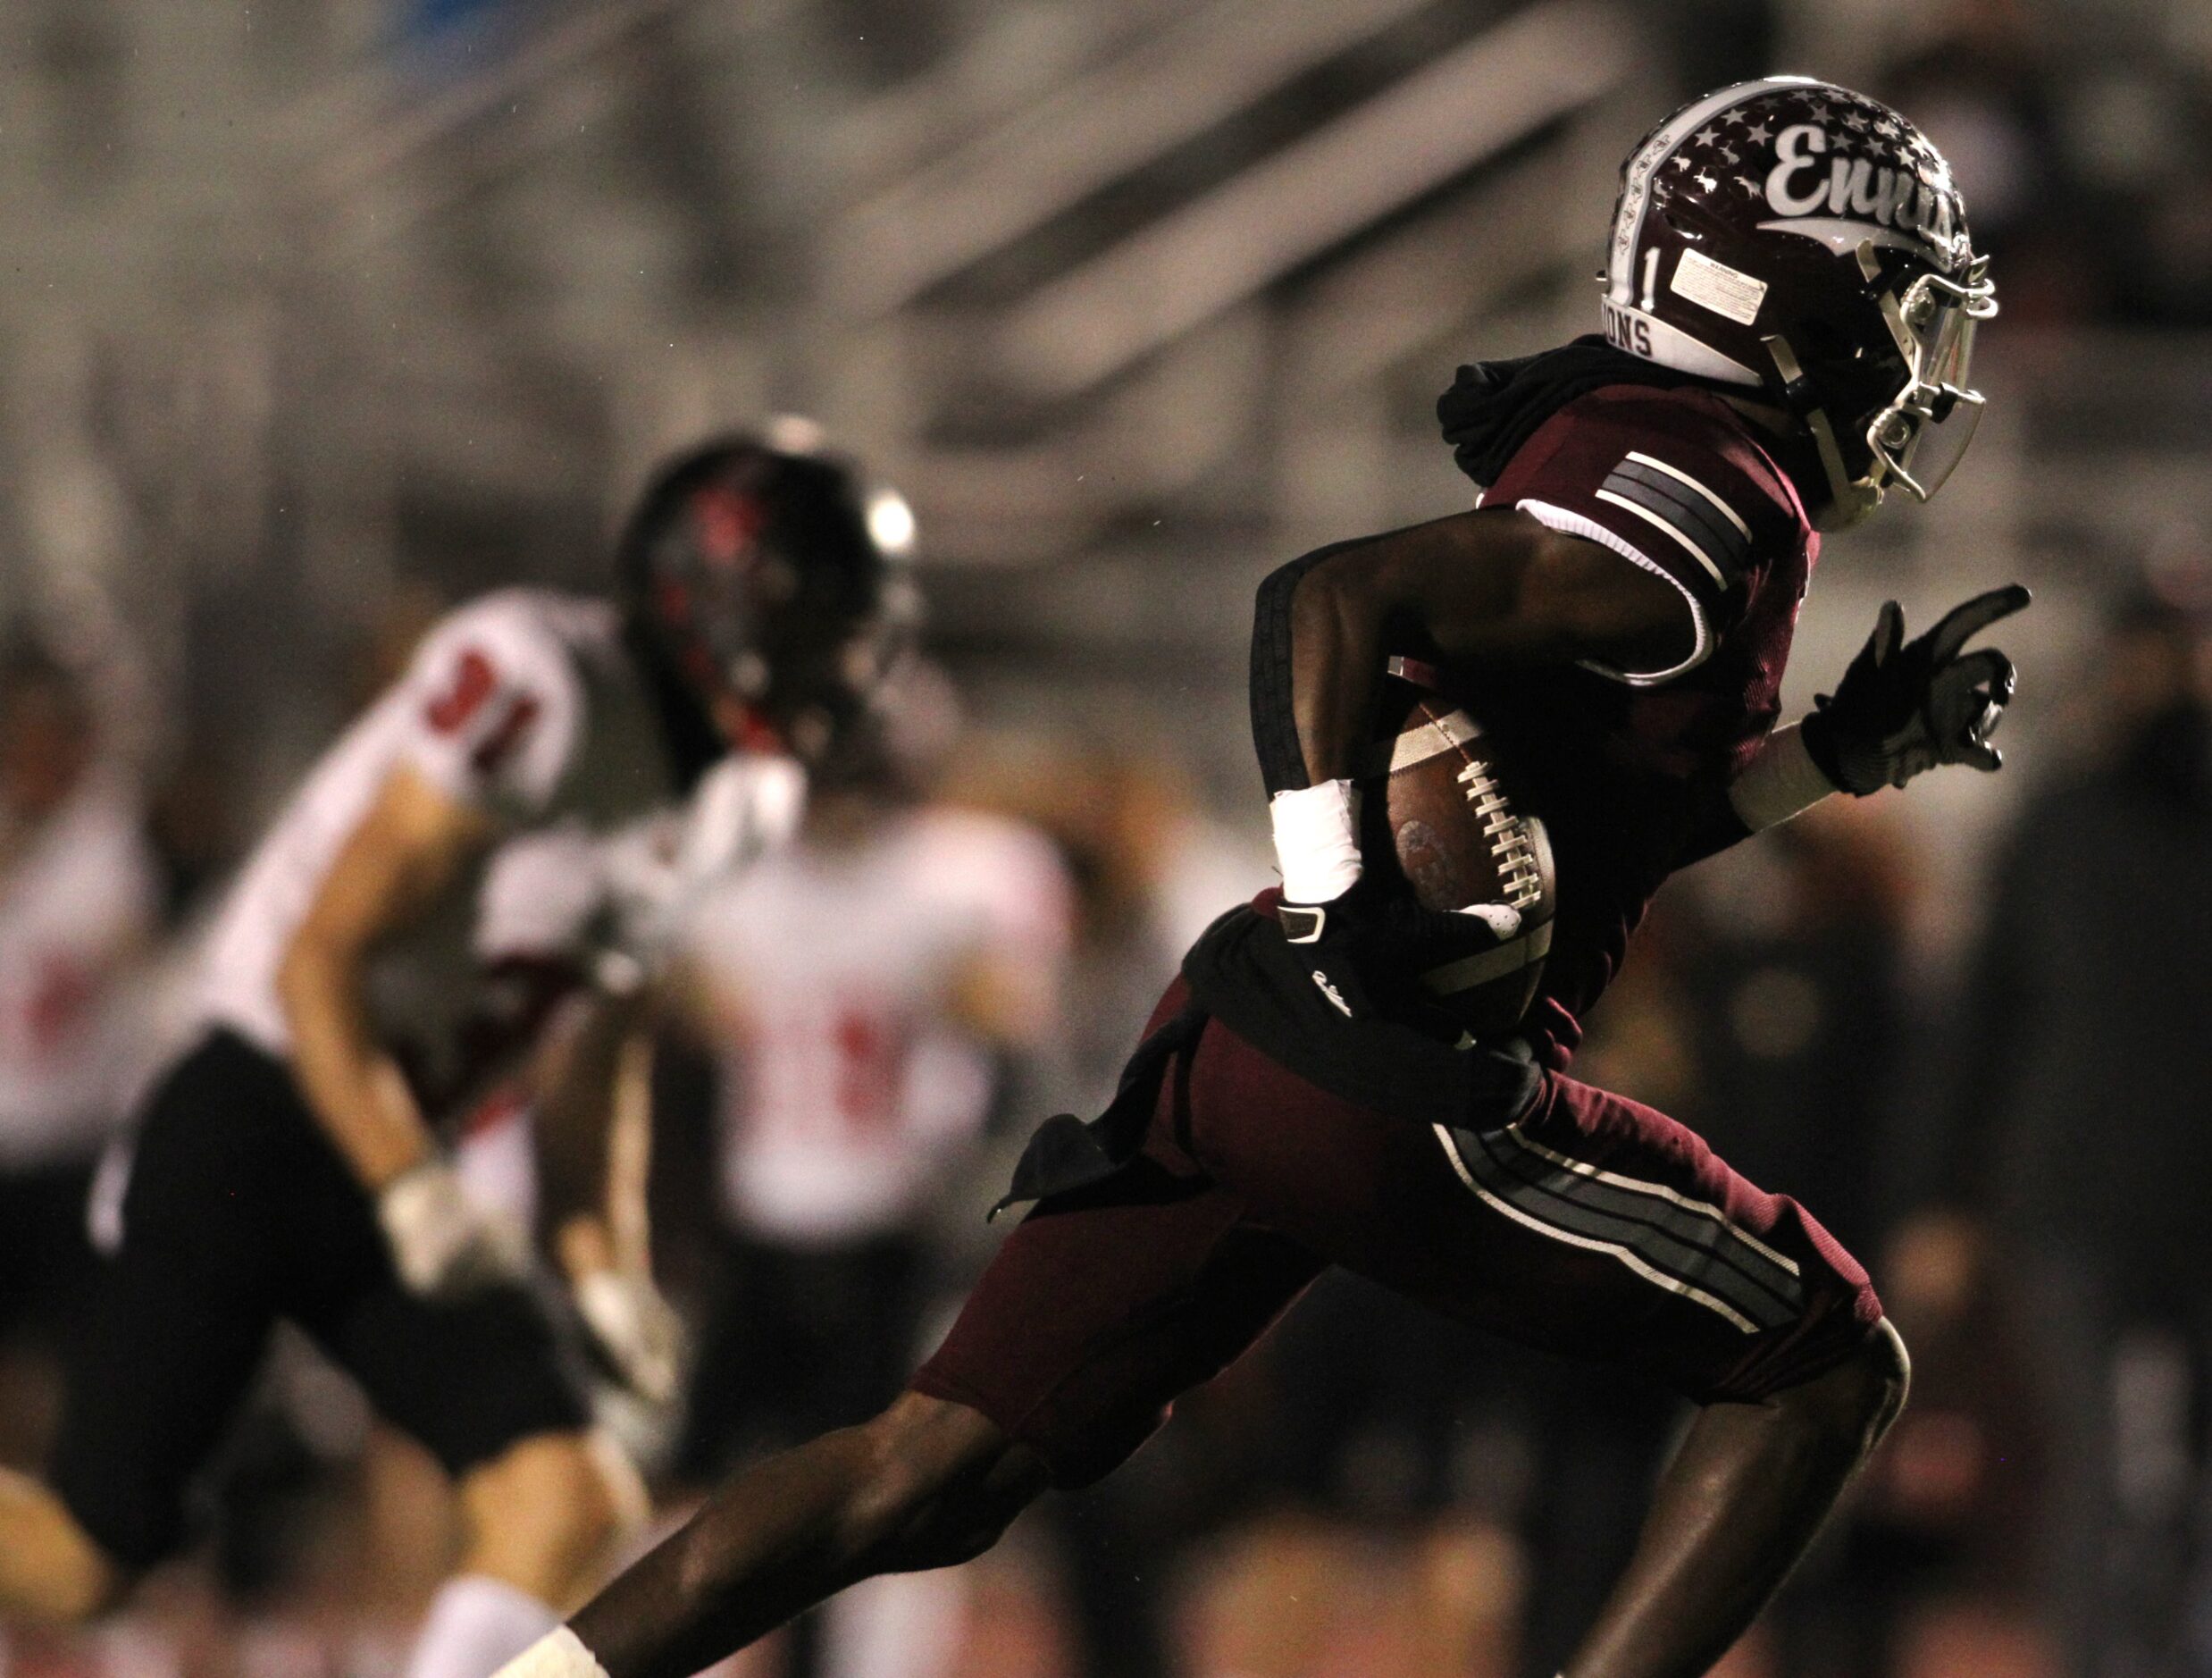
(1903, 706)
(1367, 948)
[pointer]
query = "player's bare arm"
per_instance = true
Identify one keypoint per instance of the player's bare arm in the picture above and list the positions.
(1481, 587)
(593, 1109)
(590, 1100)
(410, 848)
(1486, 588)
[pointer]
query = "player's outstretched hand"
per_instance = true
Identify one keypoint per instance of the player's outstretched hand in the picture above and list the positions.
(635, 1331)
(443, 1245)
(1904, 707)
(1367, 948)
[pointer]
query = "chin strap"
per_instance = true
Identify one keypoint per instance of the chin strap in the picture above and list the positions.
(1853, 498)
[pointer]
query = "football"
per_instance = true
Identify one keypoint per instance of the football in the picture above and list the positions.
(1438, 813)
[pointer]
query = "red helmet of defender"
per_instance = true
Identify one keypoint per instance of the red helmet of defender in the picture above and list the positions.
(1795, 238)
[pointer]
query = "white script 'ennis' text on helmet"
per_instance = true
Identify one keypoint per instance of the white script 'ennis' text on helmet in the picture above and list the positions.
(1798, 238)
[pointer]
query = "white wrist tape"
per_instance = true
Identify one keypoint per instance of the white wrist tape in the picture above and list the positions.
(1780, 782)
(637, 1328)
(442, 1243)
(1317, 841)
(430, 1223)
(560, 1653)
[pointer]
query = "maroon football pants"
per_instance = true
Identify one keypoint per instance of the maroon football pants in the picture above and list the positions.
(1592, 1226)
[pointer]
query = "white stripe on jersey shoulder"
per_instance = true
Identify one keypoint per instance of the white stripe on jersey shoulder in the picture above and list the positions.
(1680, 476)
(1572, 523)
(1657, 523)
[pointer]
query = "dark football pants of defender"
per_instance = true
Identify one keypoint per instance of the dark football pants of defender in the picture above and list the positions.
(1590, 1226)
(239, 1211)
(48, 1267)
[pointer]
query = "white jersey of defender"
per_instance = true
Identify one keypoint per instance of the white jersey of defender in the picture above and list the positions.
(847, 1089)
(78, 900)
(522, 704)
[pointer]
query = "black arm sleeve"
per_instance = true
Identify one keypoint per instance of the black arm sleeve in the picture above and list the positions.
(1274, 716)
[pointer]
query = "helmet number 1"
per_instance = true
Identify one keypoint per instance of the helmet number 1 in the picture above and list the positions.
(1651, 278)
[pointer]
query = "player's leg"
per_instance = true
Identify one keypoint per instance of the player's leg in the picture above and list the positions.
(1599, 1227)
(175, 1335)
(485, 1384)
(542, 1518)
(1736, 1508)
(929, 1483)
(1790, 1410)
(865, 1326)
(1094, 1315)
(51, 1569)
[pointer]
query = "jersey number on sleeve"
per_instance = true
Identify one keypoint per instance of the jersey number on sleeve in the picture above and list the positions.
(474, 681)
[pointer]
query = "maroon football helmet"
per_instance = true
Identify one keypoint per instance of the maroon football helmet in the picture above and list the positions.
(1791, 236)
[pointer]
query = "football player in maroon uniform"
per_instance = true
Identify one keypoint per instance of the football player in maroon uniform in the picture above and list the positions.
(1791, 304)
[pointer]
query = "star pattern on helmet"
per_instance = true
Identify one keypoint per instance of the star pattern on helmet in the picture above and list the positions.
(1732, 148)
(1714, 156)
(1862, 161)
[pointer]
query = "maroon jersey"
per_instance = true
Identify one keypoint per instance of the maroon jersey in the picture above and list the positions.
(1623, 765)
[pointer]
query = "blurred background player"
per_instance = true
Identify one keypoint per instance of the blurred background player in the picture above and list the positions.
(2083, 1139)
(79, 904)
(288, 1166)
(870, 993)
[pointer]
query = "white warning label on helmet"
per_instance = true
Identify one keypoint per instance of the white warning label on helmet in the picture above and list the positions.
(1716, 286)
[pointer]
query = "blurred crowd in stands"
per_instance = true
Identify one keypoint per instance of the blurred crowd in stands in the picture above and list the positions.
(2020, 1143)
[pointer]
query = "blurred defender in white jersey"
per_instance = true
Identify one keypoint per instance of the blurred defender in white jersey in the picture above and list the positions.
(865, 990)
(358, 981)
(79, 902)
